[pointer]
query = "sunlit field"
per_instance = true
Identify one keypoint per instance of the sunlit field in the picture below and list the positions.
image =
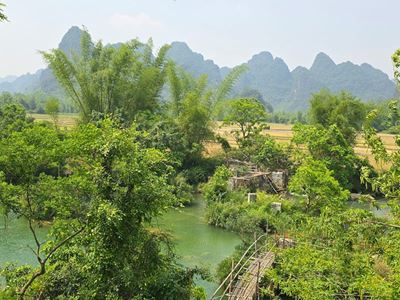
(283, 133)
(64, 120)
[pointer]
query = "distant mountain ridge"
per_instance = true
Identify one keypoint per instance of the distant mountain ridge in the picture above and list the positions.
(284, 89)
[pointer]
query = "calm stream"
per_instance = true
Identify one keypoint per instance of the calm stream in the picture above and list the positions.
(196, 243)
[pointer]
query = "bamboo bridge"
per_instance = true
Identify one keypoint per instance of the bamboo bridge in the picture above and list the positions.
(242, 283)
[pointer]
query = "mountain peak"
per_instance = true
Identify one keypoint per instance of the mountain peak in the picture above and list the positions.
(267, 74)
(181, 45)
(262, 57)
(71, 40)
(194, 62)
(322, 61)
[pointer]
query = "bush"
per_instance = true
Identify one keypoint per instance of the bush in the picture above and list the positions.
(216, 190)
(237, 215)
(182, 190)
(200, 170)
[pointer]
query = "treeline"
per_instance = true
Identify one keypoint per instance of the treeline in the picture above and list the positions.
(386, 119)
(35, 102)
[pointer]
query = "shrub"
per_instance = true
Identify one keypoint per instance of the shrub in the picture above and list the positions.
(216, 190)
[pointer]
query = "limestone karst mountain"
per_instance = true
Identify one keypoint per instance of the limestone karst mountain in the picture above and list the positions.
(270, 76)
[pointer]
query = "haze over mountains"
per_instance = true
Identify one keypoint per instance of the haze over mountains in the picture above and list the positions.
(284, 89)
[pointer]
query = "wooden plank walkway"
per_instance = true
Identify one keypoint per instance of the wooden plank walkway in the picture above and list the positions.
(242, 282)
(247, 286)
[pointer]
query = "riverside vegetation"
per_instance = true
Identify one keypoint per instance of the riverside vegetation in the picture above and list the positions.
(131, 157)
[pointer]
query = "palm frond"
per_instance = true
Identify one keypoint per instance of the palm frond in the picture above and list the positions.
(148, 52)
(63, 70)
(228, 83)
(201, 84)
(161, 56)
(175, 87)
(86, 44)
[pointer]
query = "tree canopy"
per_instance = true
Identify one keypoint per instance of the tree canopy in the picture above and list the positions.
(249, 115)
(343, 110)
(100, 189)
(120, 80)
(396, 64)
(330, 146)
(52, 108)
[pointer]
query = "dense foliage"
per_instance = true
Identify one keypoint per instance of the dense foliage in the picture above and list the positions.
(341, 250)
(105, 79)
(101, 183)
(249, 115)
(342, 110)
(100, 188)
(282, 117)
(35, 102)
(386, 117)
(330, 146)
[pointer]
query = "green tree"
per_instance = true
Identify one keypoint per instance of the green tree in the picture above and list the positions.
(387, 181)
(315, 182)
(343, 110)
(100, 188)
(195, 122)
(182, 86)
(386, 116)
(396, 64)
(7, 199)
(216, 189)
(28, 159)
(270, 154)
(249, 115)
(330, 146)
(6, 98)
(52, 108)
(192, 108)
(120, 80)
(252, 93)
(12, 118)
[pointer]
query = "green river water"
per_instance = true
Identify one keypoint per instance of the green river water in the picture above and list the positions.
(196, 243)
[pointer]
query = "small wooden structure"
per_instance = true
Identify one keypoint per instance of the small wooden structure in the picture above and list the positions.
(248, 176)
(242, 283)
(254, 179)
(248, 286)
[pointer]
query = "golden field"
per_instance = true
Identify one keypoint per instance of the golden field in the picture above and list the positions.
(282, 133)
(64, 120)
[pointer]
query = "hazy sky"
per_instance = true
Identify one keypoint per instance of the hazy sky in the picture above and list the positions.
(227, 31)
